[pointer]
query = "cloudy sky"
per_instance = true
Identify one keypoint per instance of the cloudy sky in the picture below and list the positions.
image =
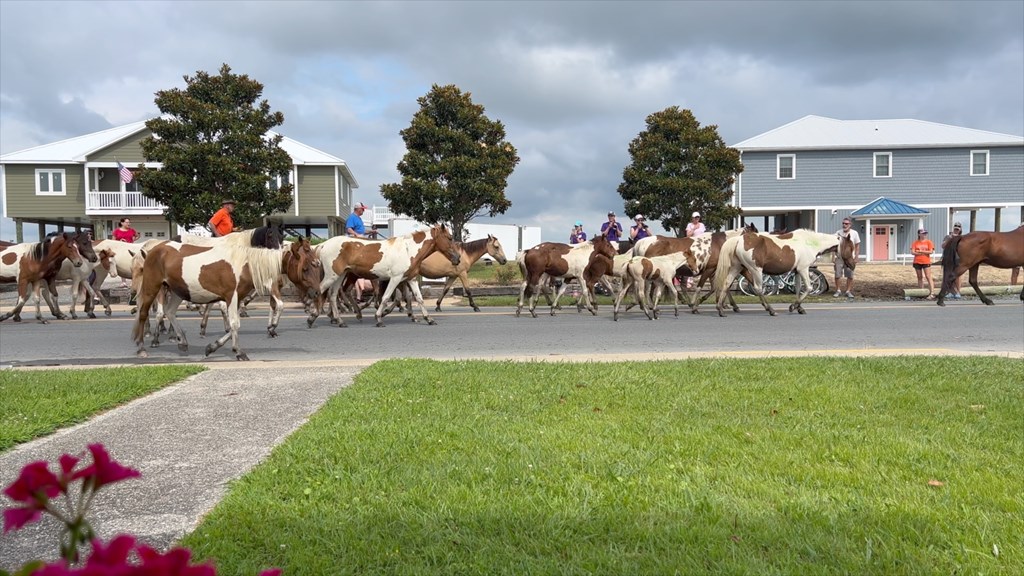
(571, 81)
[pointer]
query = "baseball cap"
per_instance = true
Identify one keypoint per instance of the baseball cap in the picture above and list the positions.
(638, 217)
(695, 215)
(579, 223)
(957, 225)
(227, 201)
(922, 231)
(360, 205)
(611, 213)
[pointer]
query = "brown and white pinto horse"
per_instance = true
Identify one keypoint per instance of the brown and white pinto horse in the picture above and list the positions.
(705, 249)
(967, 252)
(205, 274)
(568, 262)
(437, 265)
(396, 259)
(759, 254)
(32, 264)
(79, 276)
(659, 271)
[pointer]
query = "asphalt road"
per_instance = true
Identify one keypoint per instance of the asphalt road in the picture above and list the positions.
(830, 327)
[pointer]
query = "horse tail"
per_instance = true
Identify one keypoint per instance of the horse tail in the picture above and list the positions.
(725, 258)
(950, 260)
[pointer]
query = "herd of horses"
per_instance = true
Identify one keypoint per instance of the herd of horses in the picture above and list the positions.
(227, 271)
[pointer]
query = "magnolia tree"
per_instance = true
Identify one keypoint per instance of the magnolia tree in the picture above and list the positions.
(457, 162)
(213, 143)
(678, 167)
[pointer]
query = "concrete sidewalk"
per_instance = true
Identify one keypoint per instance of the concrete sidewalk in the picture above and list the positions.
(188, 440)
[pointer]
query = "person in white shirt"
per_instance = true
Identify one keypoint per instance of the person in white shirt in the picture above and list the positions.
(842, 270)
(695, 227)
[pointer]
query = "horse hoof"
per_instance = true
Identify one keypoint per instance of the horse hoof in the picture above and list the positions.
(133, 310)
(380, 324)
(243, 313)
(271, 333)
(64, 317)
(941, 303)
(242, 357)
(182, 346)
(210, 349)
(437, 308)
(534, 314)
(430, 322)
(476, 308)
(517, 313)
(801, 310)
(93, 316)
(17, 318)
(771, 312)
(141, 353)
(108, 313)
(41, 321)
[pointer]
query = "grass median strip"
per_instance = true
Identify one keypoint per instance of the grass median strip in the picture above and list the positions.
(802, 465)
(38, 402)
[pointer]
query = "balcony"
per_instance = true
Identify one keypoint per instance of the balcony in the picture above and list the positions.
(116, 203)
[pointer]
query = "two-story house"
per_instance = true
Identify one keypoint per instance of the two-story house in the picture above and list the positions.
(890, 176)
(75, 184)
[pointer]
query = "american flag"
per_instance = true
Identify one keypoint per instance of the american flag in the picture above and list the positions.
(126, 174)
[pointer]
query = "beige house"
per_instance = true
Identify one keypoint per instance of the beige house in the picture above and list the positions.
(74, 184)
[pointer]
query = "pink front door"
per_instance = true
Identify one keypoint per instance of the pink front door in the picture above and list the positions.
(880, 244)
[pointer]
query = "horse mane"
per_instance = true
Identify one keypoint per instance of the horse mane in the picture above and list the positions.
(39, 250)
(264, 264)
(473, 245)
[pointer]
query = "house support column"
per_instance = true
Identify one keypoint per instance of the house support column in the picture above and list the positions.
(19, 230)
(974, 220)
(999, 214)
(42, 230)
(334, 226)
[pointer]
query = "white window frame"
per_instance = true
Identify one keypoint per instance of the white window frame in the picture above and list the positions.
(971, 160)
(50, 171)
(277, 180)
(778, 166)
(874, 164)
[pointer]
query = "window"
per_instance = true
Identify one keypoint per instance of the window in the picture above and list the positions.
(979, 162)
(276, 182)
(786, 166)
(132, 186)
(50, 183)
(883, 164)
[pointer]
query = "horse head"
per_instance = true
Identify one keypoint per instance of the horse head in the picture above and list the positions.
(495, 250)
(845, 251)
(603, 246)
(749, 227)
(63, 245)
(270, 237)
(304, 269)
(107, 262)
(444, 244)
(84, 242)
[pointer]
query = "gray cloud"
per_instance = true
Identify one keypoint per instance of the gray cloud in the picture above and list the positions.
(571, 81)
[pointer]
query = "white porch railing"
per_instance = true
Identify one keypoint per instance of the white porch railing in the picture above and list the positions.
(120, 203)
(381, 216)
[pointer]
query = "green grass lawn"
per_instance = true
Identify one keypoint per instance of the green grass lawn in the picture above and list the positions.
(35, 403)
(779, 466)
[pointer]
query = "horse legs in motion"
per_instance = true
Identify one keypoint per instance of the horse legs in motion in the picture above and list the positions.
(968, 252)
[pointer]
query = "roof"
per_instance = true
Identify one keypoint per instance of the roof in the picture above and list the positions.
(818, 132)
(886, 207)
(76, 150)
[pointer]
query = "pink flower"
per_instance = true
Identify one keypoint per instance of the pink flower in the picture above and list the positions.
(113, 554)
(33, 488)
(103, 470)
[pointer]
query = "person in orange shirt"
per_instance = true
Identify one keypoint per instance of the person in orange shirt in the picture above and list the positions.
(922, 249)
(221, 223)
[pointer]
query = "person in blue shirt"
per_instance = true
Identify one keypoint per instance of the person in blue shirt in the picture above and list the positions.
(354, 226)
(639, 231)
(578, 236)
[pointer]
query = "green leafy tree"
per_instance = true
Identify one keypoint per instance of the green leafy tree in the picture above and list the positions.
(678, 167)
(457, 162)
(212, 141)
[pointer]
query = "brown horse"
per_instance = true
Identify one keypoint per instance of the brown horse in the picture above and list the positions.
(438, 265)
(968, 252)
(32, 264)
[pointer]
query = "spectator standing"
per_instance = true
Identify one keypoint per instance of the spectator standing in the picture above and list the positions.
(954, 287)
(640, 231)
(695, 227)
(354, 226)
(841, 269)
(611, 229)
(125, 232)
(222, 224)
(922, 249)
(577, 236)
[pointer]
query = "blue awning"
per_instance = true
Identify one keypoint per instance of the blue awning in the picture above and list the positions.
(884, 207)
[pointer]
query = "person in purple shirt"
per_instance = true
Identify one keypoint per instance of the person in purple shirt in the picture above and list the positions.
(640, 231)
(611, 229)
(578, 236)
